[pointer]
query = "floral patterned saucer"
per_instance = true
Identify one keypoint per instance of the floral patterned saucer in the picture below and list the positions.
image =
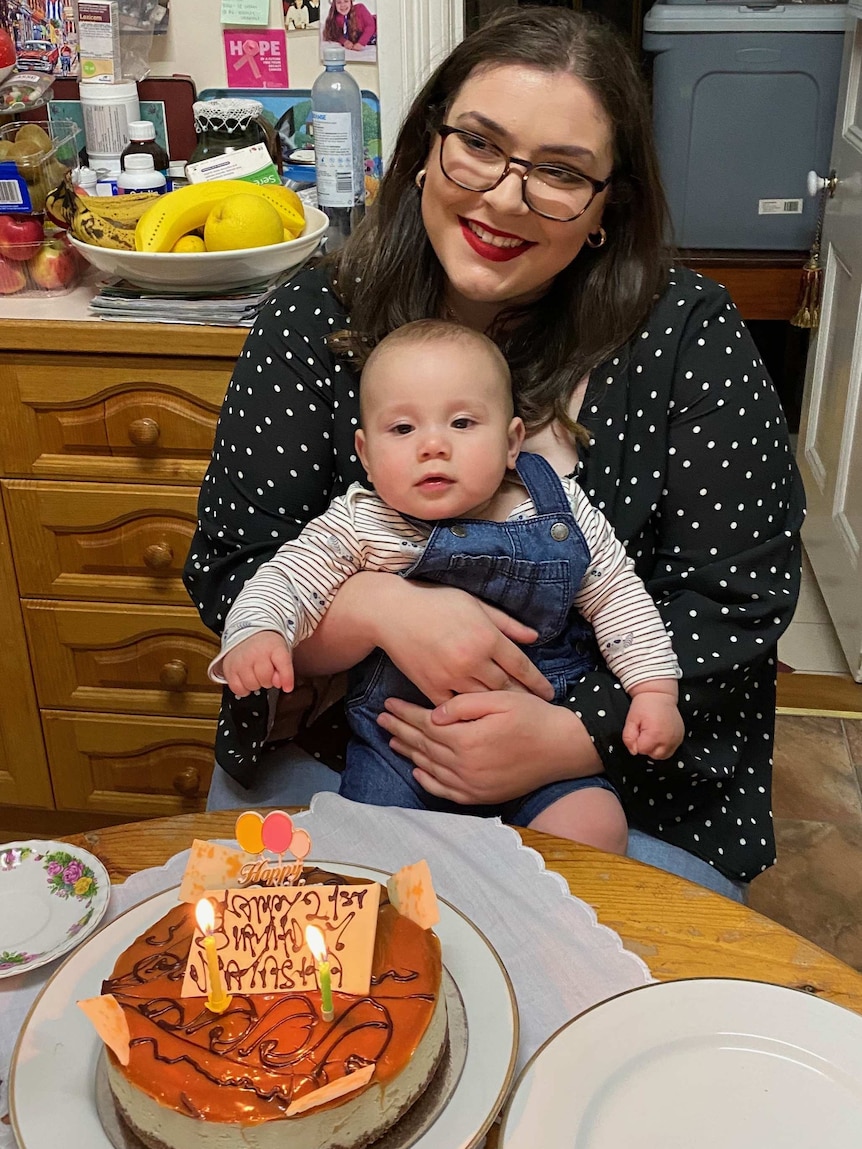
(52, 896)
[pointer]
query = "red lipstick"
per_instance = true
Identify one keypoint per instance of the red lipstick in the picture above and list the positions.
(488, 250)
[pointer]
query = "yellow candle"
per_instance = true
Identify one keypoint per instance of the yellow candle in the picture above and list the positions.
(317, 945)
(217, 999)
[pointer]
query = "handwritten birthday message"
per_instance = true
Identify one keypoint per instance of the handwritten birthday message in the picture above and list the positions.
(260, 939)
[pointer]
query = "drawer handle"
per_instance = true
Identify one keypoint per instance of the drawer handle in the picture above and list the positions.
(144, 432)
(188, 782)
(158, 556)
(174, 674)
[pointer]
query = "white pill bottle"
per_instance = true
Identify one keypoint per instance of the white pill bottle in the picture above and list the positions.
(139, 175)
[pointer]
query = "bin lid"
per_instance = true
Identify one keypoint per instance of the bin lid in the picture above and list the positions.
(668, 16)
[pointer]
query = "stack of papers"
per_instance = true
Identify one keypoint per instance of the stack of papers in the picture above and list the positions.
(120, 300)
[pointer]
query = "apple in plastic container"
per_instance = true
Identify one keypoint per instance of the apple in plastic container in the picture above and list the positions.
(7, 54)
(20, 236)
(55, 265)
(12, 277)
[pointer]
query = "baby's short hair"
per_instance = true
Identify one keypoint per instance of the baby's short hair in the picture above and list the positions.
(441, 331)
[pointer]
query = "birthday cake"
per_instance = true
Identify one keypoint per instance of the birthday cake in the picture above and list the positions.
(199, 1079)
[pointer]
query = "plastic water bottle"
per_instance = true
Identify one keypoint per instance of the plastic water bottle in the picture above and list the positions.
(339, 155)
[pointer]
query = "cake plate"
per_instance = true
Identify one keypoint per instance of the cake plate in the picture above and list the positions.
(54, 1066)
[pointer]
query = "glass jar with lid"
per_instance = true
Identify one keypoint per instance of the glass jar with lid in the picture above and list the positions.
(227, 125)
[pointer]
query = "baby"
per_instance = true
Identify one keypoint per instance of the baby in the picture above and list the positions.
(456, 501)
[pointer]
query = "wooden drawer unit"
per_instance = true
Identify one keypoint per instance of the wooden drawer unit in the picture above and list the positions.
(141, 660)
(129, 765)
(142, 420)
(105, 434)
(109, 541)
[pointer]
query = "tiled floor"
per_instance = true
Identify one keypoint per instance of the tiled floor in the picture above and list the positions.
(816, 887)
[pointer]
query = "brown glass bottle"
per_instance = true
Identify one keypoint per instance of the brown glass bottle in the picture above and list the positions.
(142, 142)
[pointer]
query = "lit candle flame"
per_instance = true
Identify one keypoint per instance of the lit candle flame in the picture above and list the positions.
(205, 915)
(315, 942)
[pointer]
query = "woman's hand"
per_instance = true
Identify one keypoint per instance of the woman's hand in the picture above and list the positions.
(444, 640)
(490, 747)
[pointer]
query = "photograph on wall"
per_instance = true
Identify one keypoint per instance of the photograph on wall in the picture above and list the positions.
(352, 24)
(43, 35)
(302, 15)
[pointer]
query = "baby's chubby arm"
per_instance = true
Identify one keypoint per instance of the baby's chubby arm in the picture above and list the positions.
(262, 660)
(654, 725)
(287, 597)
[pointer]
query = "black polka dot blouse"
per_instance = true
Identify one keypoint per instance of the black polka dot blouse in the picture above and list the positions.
(688, 458)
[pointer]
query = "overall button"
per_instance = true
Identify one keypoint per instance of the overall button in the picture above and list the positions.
(460, 531)
(559, 531)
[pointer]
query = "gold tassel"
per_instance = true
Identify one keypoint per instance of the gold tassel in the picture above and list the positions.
(807, 312)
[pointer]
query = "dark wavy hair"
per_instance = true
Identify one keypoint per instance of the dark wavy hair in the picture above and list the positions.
(387, 274)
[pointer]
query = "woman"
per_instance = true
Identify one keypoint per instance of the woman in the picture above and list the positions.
(563, 264)
(351, 25)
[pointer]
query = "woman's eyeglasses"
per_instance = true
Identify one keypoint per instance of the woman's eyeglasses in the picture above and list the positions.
(550, 190)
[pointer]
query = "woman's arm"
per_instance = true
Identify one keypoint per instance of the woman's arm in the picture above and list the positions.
(283, 445)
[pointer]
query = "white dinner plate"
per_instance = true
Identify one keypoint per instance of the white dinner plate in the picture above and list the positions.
(695, 1064)
(52, 1086)
(52, 896)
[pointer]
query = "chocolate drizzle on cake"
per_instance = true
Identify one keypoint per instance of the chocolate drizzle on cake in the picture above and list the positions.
(267, 1050)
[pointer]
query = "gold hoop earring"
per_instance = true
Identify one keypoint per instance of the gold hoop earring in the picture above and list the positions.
(420, 178)
(597, 238)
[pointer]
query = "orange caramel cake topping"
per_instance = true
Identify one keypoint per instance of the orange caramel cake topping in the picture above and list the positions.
(248, 1064)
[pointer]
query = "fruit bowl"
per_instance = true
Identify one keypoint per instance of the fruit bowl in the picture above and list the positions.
(190, 271)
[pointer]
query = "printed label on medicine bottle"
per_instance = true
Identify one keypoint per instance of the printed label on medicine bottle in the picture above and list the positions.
(333, 158)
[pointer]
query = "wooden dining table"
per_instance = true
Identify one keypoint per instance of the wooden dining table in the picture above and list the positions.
(679, 929)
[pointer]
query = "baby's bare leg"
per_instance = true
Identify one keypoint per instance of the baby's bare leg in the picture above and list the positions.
(593, 816)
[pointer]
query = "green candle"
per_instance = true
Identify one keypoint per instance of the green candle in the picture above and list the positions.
(317, 945)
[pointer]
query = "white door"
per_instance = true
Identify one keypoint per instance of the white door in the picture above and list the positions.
(830, 434)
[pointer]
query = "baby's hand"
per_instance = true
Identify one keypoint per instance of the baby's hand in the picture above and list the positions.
(262, 660)
(654, 725)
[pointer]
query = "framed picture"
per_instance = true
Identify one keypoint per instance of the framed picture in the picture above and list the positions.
(352, 24)
(301, 15)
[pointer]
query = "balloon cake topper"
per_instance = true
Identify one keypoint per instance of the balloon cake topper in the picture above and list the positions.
(274, 833)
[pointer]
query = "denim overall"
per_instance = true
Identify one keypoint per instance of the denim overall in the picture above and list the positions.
(530, 568)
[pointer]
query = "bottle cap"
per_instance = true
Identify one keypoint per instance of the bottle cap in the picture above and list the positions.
(141, 130)
(333, 54)
(139, 163)
(177, 168)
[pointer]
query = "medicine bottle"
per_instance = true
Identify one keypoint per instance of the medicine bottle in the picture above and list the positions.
(142, 142)
(139, 175)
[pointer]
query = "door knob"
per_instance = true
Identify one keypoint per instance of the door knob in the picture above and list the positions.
(815, 184)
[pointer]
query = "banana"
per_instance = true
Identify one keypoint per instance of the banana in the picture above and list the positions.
(174, 215)
(122, 210)
(70, 210)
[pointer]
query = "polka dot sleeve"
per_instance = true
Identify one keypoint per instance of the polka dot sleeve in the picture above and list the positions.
(283, 445)
(691, 463)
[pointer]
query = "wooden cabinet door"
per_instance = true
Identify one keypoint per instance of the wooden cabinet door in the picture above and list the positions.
(140, 766)
(136, 660)
(133, 418)
(24, 779)
(103, 541)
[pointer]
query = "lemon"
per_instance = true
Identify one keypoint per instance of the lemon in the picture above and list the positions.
(242, 220)
(187, 243)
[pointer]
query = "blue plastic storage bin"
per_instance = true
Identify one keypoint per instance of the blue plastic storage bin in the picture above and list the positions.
(744, 103)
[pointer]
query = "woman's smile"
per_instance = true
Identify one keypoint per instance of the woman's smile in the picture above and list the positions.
(497, 246)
